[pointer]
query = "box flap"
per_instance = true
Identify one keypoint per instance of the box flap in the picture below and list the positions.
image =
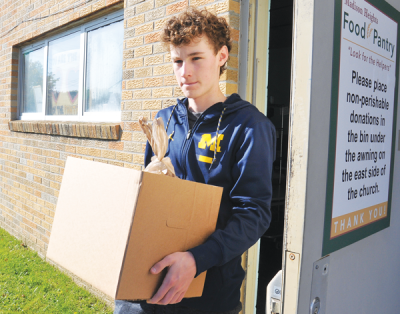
(171, 215)
(92, 221)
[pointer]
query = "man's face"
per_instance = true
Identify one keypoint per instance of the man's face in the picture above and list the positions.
(196, 68)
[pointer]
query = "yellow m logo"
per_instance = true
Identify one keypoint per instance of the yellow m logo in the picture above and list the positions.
(207, 141)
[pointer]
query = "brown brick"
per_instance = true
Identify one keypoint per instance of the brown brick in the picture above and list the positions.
(178, 92)
(55, 154)
(116, 163)
(142, 93)
(133, 105)
(138, 137)
(176, 7)
(135, 21)
(85, 11)
(143, 72)
(235, 48)
(233, 20)
(132, 84)
(133, 2)
(111, 2)
(60, 163)
(145, 6)
(152, 60)
(233, 62)
(127, 54)
(99, 5)
(152, 38)
(231, 88)
(126, 94)
(169, 102)
(162, 92)
(116, 145)
(124, 157)
(132, 126)
(229, 75)
(128, 12)
(74, 16)
(152, 82)
(163, 69)
(170, 80)
(126, 136)
(227, 88)
(136, 167)
(162, 3)
(235, 34)
(108, 154)
(159, 24)
(155, 14)
(55, 185)
(54, 169)
(133, 147)
(136, 115)
(62, 21)
(126, 116)
(145, 28)
(134, 42)
(134, 63)
(228, 5)
(167, 58)
(143, 51)
(152, 104)
(197, 3)
(138, 158)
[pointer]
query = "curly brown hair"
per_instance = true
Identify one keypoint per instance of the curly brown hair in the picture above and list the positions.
(193, 23)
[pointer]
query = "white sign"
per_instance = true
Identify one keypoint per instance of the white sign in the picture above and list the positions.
(365, 117)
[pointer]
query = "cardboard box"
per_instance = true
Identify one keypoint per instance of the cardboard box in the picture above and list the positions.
(112, 224)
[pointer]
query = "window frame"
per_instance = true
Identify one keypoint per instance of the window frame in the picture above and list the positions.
(82, 116)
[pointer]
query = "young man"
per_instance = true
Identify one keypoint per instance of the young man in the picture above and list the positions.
(219, 141)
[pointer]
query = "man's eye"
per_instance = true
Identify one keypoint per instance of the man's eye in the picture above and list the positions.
(178, 61)
(196, 58)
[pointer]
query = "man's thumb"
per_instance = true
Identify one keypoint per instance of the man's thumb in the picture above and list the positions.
(157, 268)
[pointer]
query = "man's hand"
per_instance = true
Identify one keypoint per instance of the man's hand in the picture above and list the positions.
(182, 269)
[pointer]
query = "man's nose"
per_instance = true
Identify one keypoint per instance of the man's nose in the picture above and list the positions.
(186, 69)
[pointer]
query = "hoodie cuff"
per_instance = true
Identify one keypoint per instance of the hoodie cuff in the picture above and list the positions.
(206, 255)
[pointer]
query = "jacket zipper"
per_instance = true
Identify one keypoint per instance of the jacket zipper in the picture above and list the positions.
(186, 143)
(189, 136)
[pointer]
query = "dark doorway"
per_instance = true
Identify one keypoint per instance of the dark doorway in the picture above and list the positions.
(279, 73)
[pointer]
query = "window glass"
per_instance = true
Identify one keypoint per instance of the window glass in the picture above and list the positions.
(63, 75)
(104, 68)
(33, 81)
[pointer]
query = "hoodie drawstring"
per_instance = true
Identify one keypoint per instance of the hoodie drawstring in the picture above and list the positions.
(170, 116)
(216, 136)
(216, 139)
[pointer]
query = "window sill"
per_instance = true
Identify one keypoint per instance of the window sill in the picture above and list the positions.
(104, 131)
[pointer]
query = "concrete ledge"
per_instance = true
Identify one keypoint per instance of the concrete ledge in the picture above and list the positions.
(96, 130)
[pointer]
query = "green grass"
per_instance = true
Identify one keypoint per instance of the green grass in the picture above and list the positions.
(28, 284)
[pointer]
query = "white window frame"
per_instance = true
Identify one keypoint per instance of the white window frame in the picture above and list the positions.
(114, 116)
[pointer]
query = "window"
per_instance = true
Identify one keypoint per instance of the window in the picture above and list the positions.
(75, 75)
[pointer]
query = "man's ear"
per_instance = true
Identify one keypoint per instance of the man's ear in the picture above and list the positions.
(223, 55)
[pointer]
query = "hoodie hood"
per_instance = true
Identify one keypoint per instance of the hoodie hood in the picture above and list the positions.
(232, 104)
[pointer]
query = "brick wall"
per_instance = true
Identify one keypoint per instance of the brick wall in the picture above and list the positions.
(32, 165)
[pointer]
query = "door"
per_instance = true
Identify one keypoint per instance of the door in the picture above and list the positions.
(356, 272)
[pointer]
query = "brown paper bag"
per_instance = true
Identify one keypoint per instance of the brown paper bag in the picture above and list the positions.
(158, 139)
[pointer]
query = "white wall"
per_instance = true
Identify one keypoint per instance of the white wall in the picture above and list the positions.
(365, 276)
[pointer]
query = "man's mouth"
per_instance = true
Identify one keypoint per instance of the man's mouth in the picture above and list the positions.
(188, 84)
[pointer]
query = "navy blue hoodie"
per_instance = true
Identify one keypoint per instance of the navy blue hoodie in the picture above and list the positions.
(240, 161)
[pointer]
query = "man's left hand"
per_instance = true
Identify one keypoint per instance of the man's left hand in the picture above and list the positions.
(182, 269)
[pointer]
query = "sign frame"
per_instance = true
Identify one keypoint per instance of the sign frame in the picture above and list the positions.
(329, 244)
